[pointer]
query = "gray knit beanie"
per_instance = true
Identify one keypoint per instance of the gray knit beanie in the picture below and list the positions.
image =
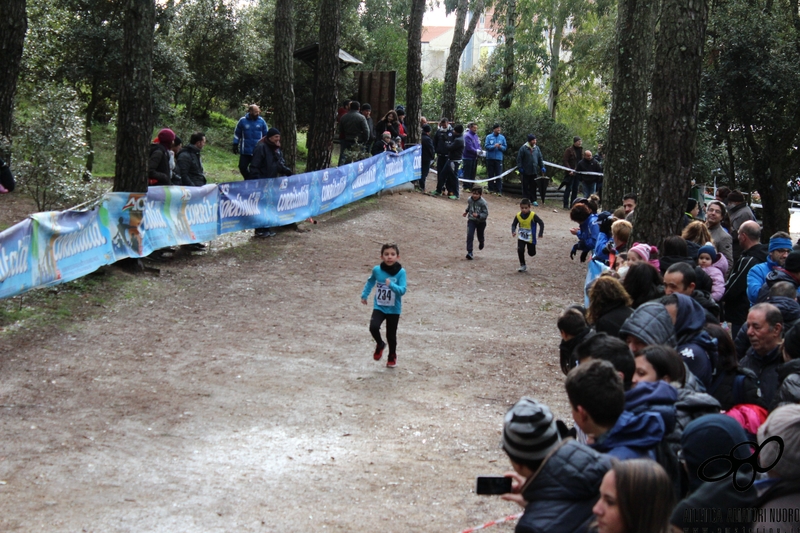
(783, 422)
(529, 431)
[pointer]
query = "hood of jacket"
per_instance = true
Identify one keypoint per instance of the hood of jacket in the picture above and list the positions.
(789, 308)
(790, 367)
(651, 324)
(691, 316)
(655, 396)
(641, 431)
(779, 274)
(573, 472)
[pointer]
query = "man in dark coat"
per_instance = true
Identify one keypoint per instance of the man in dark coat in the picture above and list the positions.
(764, 329)
(441, 141)
(354, 128)
(583, 169)
(428, 153)
(190, 163)
(268, 162)
(572, 155)
(735, 297)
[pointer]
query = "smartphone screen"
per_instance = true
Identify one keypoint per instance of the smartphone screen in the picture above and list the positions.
(493, 485)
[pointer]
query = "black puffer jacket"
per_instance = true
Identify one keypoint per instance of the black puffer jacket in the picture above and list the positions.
(789, 388)
(610, 321)
(562, 493)
(568, 362)
(651, 324)
(736, 386)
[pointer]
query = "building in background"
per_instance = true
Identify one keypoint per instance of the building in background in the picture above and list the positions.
(436, 41)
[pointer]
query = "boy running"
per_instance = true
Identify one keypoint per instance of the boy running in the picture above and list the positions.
(390, 277)
(526, 220)
(476, 213)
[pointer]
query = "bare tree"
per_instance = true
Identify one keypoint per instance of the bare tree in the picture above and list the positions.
(672, 120)
(414, 72)
(326, 82)
(461, 38)
(135, 119)
(13, 25)
(632, 76)
(285, 115)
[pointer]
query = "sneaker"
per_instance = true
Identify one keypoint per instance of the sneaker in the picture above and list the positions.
(379, 351)
(436, 193)
(469, 256)
(392, 362)
(453, 197)
(480, 245)
(522, 268)
(535, 204)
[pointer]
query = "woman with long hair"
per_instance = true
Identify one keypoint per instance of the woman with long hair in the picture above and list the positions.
(696, 234)
(609, 305)
(643, 283)
(636, 496)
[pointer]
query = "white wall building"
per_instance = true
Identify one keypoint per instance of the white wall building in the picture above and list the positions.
(436, 41)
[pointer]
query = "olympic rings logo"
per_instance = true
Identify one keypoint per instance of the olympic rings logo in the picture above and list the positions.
(736, 464)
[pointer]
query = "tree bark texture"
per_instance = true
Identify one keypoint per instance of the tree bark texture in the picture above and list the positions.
(326, 83)
(555, 67)
(414, 72)
(461, 38)
(509, 66)
(672, 120)
(631, 83)
(284, 104)
(135, 118)
(13, 25)
(770, 170)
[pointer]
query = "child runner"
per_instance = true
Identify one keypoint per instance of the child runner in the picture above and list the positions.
(391, 279)
(476, 213)
(526, 220)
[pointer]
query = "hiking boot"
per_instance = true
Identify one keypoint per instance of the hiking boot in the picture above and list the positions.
(522, 268)
(469, 256)
(392, 362)
(379, 351)
(480, 245)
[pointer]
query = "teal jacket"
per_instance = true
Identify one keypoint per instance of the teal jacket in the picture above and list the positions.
(389, 299)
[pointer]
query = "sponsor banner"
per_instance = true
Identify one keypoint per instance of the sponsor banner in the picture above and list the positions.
(16, 263)
(123, 214)
(67, 245)
(180, 215)
(245, 205)
(55, 247)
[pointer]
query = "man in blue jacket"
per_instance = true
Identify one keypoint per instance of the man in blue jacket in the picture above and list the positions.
(597, 398)
(250, 129)
(780, 244)
(495, 146)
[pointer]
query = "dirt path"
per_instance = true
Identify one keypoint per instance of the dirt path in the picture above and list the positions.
(237, 392)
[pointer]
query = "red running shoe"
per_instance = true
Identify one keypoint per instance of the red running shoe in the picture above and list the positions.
(392, 362)
(379, 351)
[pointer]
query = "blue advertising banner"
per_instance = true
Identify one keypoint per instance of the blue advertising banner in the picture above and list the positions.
(56, 247)
(244, 205)
(180, 215)
(67, 245)
(16, 263)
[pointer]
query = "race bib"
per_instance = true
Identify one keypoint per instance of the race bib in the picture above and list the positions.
(525, 235)
(384, 296)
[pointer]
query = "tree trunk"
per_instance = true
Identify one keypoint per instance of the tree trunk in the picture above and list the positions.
(135, 120)
(672, 120)
(13, 25)
(88, 119)
(769, 164)
(461, 38)
(284, 105)
(632, 75)
(509, 66)
(555, 62)
(414, 72)
(326, 83)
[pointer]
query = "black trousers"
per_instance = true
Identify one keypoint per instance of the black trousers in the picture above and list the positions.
(521, 245)
(529, 186)
(441, 164)
(472, 227)
(541, 185)
(391, 328)
(244, 165)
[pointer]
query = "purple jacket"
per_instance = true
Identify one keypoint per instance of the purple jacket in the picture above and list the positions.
(472, 144)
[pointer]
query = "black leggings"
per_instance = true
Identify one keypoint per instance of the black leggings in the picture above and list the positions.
(521, 245)
(391, 328)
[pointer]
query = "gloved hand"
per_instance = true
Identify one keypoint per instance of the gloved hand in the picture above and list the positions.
(573, 252)
(544, 170)
(609, 247)
(583, 256)
(236, 149)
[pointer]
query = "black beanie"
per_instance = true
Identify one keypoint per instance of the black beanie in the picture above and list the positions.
(272, 131)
